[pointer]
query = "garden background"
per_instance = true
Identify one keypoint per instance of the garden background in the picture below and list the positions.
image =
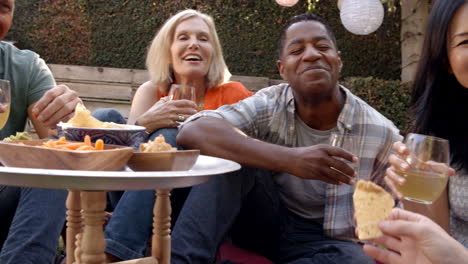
(117, 33)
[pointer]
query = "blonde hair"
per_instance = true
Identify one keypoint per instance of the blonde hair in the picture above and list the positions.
(158, 59)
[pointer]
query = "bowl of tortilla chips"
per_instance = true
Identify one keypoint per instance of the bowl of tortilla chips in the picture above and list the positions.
(83, 123)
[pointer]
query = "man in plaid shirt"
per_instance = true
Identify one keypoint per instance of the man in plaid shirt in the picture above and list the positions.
(287, 203)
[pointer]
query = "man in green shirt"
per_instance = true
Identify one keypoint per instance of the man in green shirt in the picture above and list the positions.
(30, 218)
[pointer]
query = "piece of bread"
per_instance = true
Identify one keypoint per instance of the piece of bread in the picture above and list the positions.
(372, 204)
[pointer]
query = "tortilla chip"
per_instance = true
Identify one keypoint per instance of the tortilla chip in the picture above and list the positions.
(372, 204)
(83, 118)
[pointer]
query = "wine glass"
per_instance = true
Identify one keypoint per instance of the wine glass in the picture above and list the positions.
(5, 99)
(349, 143)
(182, 91)
(428, 161)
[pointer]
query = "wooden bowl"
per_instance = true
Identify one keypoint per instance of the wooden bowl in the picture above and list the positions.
(30, 155)
(179, 160)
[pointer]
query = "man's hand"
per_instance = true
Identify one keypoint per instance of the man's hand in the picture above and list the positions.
(320, 162)
(57, 104)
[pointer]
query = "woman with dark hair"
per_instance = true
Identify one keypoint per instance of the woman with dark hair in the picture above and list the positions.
(439, 105)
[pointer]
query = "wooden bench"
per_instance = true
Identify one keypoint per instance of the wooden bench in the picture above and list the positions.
(104, 87)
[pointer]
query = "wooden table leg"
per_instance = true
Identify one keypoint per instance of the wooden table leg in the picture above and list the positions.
(73, 223)
(92, 244)
(162, 227)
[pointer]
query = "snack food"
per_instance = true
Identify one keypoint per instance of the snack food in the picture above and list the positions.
(83, 118)
(19, 136)
(159, 144)
(372, 204)
(63, 144)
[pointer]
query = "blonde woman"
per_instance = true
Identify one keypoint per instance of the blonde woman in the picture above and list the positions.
(186, 50)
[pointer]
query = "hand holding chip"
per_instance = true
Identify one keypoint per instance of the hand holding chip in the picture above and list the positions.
(413, 238)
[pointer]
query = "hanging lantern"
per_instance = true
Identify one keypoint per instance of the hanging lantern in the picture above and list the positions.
(340, 2)
(287, 3)
(361, 17)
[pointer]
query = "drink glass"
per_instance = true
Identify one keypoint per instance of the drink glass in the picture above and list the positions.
(349, 143)
(428, 161)
(5, 99)
(181, 91)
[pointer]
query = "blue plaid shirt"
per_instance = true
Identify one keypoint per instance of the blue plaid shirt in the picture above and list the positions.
(269, 115)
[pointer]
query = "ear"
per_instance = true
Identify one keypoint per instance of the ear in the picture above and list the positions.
(280, 67)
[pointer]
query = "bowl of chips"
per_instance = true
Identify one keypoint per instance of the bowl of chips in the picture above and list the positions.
(83, 123)
(158, 155)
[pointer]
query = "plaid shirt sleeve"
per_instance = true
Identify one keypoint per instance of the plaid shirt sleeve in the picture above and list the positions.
(251, 115)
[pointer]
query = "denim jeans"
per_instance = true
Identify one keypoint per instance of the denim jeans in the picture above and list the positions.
(31, 220)
(130, 226)
(249, 202)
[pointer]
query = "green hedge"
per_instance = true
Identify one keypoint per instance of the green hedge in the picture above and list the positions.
(391, 98)
(116, 33)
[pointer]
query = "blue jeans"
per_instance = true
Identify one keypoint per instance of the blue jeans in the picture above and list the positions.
(31, 220)
(249, 201)
(130, 226)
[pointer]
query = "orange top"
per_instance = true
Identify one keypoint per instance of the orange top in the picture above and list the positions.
(226, 93)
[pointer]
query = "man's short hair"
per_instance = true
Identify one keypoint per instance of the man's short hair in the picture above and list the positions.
(300, 18)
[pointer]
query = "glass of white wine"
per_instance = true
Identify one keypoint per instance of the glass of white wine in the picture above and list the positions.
(428, 161)
(5, 99)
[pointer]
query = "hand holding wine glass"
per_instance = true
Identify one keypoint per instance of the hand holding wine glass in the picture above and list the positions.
(349, 143)
(420, 171)
(182, 92)
(5, 100)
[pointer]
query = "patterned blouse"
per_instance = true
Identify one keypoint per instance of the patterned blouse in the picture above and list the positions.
(458, 197)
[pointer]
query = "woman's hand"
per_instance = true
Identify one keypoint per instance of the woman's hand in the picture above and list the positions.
(397, 163)
(413, 238)
(165, 113)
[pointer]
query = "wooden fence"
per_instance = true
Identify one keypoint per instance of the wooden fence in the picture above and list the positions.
(104, 87)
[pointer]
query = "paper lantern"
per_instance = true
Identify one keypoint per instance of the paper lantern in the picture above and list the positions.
(287, 3)
(362, 17)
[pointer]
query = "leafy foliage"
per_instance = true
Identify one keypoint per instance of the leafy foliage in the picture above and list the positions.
(116, 33)
(391, 98)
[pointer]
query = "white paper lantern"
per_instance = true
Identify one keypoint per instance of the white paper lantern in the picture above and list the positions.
(287, 3)
(362, 17)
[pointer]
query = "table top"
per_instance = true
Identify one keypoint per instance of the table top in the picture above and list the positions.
(204, 168)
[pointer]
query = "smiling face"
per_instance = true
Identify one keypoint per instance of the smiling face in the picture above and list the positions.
(457, 45)
(310, 62)
(6, 16)
(191, 50)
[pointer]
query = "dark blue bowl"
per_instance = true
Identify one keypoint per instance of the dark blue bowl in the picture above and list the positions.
(131, 136)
